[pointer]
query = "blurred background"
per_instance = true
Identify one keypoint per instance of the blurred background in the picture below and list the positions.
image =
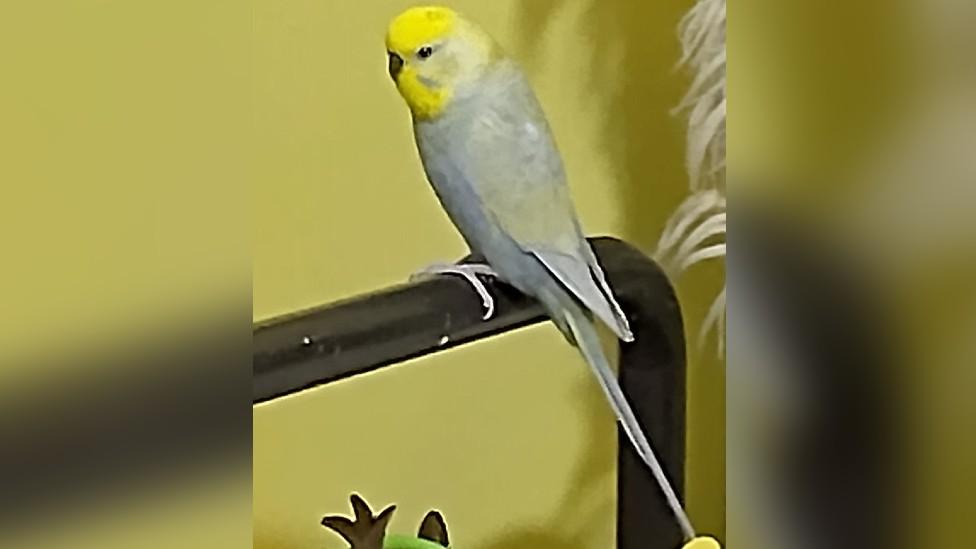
(125, 285)
(850, 333)
(342, 208)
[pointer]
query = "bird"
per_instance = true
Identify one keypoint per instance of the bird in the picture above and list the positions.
(489, 153)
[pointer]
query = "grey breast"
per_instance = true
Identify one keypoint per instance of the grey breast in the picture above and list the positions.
(445, 150)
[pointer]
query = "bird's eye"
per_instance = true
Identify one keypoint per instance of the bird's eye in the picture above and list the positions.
(425, 52)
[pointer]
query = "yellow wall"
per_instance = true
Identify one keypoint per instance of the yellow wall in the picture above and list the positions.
(123, 127)
(341, 207)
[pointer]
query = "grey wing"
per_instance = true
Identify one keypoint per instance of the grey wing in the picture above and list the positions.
(523, 187)
(586, 280)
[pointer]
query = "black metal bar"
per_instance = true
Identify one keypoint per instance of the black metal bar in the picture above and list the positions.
(339, 340)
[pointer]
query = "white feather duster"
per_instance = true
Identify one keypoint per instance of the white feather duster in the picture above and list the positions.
(696, 230)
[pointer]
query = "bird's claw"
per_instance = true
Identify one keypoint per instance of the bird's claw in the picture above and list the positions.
(470, 272)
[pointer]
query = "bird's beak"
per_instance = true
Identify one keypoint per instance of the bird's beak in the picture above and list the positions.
(396, 64)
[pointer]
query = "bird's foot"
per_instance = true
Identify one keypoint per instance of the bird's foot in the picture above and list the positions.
(470, 272)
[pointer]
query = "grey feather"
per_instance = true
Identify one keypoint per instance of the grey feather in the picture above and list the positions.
(493, 164)
(589, 345)
(495, 167)
(582, 279)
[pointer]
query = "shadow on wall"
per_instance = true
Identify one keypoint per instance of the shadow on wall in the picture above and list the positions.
(581, 521)
(632, 78)
(577, 523)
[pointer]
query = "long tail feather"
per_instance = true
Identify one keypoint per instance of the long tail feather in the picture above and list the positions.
(589, 345)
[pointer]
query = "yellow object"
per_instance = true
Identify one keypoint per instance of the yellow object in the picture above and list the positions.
(421, 27)
(702, 543)
(413, 29)
(417, 26)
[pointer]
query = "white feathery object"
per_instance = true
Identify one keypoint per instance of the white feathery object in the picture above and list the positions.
(696, 230)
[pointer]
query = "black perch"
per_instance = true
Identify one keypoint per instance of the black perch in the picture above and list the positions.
(318, 346)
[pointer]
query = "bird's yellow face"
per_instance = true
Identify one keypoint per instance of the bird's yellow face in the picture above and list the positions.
(431, 50)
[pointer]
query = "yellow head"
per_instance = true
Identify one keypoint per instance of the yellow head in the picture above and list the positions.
(433, 52)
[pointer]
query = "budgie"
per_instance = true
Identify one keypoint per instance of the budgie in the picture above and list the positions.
(491, 159)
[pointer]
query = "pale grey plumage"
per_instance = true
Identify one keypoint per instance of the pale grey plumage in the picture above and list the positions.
(493, 163)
